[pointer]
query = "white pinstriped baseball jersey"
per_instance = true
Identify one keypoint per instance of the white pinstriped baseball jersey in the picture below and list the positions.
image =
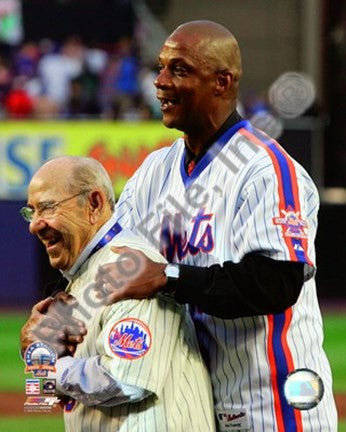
(164, 360)
(246, 194)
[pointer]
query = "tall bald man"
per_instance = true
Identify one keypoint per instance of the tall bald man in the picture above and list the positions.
(139, 367)
(236, 218)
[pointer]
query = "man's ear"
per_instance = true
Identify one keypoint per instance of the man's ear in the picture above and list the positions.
(96, 204)
(224, 81)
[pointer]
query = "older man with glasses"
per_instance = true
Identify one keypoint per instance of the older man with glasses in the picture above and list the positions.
(138, 367)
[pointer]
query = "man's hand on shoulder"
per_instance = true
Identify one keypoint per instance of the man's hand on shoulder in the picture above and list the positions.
(133, 275)
(51, 321)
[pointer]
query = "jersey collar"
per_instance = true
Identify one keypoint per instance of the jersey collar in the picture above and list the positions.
(231, 120)
(211, 153)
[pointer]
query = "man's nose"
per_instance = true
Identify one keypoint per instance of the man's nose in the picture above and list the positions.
(163, 79)
(36, 224)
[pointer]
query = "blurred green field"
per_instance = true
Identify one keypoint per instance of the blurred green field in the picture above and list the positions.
(32, 424)
(335, 347)
(12, 377)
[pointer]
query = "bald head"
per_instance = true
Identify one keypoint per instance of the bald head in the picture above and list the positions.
(219, 47)
(75, 174)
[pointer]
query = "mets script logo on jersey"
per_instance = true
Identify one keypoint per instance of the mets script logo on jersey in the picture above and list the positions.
(292, 225)
(175, 242)
(129, 338)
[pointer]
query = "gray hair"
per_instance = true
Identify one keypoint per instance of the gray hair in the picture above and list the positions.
(87, 174)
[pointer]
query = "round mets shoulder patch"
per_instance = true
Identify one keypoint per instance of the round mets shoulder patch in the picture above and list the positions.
(129, 338)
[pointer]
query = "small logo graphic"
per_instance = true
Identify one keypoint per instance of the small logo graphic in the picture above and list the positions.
(40, 403)
(48, 386)
(232, 420)
(32, 386)
(303, 389)
(40, 358)
(129, 338)
(292, 225)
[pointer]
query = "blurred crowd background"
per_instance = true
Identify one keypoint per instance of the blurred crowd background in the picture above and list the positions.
(78, 59)
(53, 65)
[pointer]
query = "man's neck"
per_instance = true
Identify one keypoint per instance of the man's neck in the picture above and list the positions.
(199, 141)
(90, 247)
(191, 154)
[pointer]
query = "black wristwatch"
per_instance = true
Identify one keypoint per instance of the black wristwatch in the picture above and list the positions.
(172, 272)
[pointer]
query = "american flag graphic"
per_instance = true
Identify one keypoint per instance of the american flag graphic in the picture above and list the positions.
(32, 387)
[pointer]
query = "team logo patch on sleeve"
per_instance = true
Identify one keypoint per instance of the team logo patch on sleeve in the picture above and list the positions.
(129, 338)
(291, 223)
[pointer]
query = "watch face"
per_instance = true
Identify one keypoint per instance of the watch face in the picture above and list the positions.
(172, 271)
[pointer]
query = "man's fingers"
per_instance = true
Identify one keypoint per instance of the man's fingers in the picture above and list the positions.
(63, 305)
(73, 340)
(108, 293)
(128, 277)
(120, 249)
(46, 334)
(66, 299)
(74, 330)
(115, 296)
(103, 270)
(74, 322)
(128, 265)
(62, 350)
(51, 321)
(104, 273)
(103, 290)
(71, 348)
(43, 305)
(48, 322)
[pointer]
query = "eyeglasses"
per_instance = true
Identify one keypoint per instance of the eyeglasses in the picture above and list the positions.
(45, 210)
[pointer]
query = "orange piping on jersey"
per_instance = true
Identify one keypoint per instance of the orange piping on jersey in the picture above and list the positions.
(282, 205)
(273, 374)
(296, 197)
(288, 355)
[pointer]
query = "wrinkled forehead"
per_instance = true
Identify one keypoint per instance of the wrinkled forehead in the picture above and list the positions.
(44, 187)
(55, 173)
